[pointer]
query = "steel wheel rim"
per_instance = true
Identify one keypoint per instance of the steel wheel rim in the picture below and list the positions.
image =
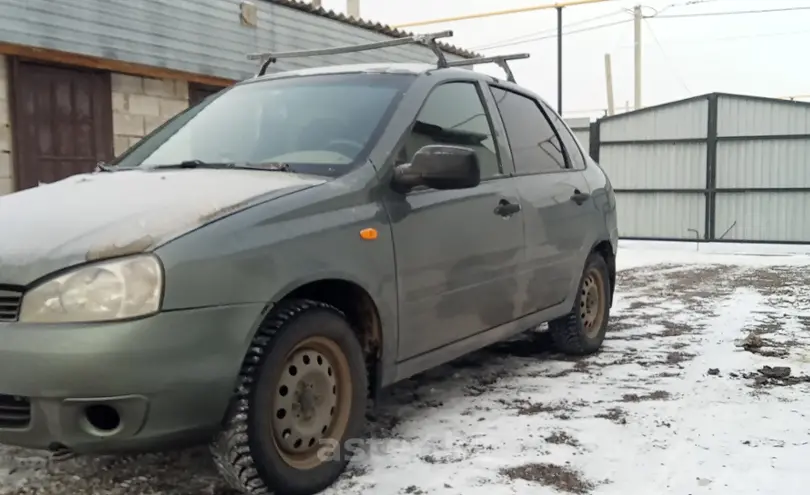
(312, 402)
(592, 303)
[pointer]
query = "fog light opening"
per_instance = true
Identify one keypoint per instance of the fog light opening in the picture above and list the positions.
(104, 419)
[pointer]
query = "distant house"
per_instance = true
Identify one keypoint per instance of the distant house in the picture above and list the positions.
(82, 80)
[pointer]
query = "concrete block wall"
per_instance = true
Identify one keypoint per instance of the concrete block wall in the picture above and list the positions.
(6, 181)
(141, 104)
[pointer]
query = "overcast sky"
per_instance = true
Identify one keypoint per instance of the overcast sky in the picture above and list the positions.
(758, 54)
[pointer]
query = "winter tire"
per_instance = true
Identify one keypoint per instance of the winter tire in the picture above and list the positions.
(582, 331)
(301, 397)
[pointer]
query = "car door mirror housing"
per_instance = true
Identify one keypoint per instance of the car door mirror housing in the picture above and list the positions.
(439, 167)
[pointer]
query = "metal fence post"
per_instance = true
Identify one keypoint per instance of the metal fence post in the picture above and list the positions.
(711, 170)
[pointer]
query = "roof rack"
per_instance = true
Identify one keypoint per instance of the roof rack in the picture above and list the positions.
(428, 40)
(500, 60)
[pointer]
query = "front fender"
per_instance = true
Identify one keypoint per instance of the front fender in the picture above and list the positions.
(261, 254)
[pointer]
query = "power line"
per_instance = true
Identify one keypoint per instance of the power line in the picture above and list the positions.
(540, 38)
(666, 57)
(520, 10)
(506, 43)
(691, 41)
(541, 35)
(732, 12)
(551, 33)
(760, 35)
(550, 30)
(688, 3)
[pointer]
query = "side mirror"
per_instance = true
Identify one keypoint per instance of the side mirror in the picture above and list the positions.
(439, 167)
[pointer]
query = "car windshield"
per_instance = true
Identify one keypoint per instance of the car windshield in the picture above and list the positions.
(322, 125)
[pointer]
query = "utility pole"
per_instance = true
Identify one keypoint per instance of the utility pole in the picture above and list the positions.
(558, 6)
(609, 84)
(353, 8)
(637, 17)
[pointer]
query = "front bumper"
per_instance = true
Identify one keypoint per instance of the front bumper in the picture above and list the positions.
(167, 379)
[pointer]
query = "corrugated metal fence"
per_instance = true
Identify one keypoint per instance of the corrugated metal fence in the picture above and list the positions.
(717, 167)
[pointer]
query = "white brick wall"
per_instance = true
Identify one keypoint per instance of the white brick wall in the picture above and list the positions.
(6, 183)
(141, 104)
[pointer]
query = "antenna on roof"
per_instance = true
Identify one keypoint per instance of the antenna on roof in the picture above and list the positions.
(500, 60)
(428, 40)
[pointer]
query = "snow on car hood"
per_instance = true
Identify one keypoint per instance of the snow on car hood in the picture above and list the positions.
(102, 215)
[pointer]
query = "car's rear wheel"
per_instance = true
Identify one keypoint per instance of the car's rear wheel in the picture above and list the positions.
(302, 396)
(582, 331)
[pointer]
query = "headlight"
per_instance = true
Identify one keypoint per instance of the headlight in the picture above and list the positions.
(111, 290)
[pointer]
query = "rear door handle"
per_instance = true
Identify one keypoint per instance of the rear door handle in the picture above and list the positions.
(579, 197)
(506, 209)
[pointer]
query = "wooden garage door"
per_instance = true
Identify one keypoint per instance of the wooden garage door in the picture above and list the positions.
(62, 122)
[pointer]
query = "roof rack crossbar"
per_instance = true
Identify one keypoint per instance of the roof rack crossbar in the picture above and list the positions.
(500, 60)
(428, 39)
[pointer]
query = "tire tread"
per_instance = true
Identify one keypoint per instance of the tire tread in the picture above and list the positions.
(230, 448)
(566, 331)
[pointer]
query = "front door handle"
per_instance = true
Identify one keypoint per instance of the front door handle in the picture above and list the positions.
(507, 209)
(579, 197)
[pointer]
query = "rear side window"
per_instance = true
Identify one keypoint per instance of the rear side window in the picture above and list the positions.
(572, 148)
(454, 114)
(535, 146)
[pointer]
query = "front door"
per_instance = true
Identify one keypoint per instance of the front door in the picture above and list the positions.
(546, 185)
(457, 253)
(62, 122)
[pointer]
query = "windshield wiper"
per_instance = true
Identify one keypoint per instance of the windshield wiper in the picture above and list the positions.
(272, 166)
(103, 167)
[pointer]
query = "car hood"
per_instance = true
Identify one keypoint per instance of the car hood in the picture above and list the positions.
(103, 215)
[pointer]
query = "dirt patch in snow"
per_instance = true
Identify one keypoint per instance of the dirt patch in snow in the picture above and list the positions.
(771, 281)
(776, 376)
(189, 472)
(560, 477)
(562, 438)
(657, 395)
(560, 409)
(414, 490)
(615, 414)
(756, 344)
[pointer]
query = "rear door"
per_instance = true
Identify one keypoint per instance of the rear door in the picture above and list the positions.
(549, 188)
(457, 251)
(586, 211)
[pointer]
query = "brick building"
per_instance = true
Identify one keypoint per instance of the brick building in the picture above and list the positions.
(81, 81)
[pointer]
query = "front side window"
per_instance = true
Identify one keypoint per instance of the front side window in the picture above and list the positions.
(453, 114)
(535, 146)
(315, 124)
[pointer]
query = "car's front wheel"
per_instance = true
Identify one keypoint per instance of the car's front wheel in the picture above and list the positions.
(302, 396)
(582, 331)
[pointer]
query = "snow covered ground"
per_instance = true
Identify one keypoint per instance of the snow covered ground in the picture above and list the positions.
(680, 401)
